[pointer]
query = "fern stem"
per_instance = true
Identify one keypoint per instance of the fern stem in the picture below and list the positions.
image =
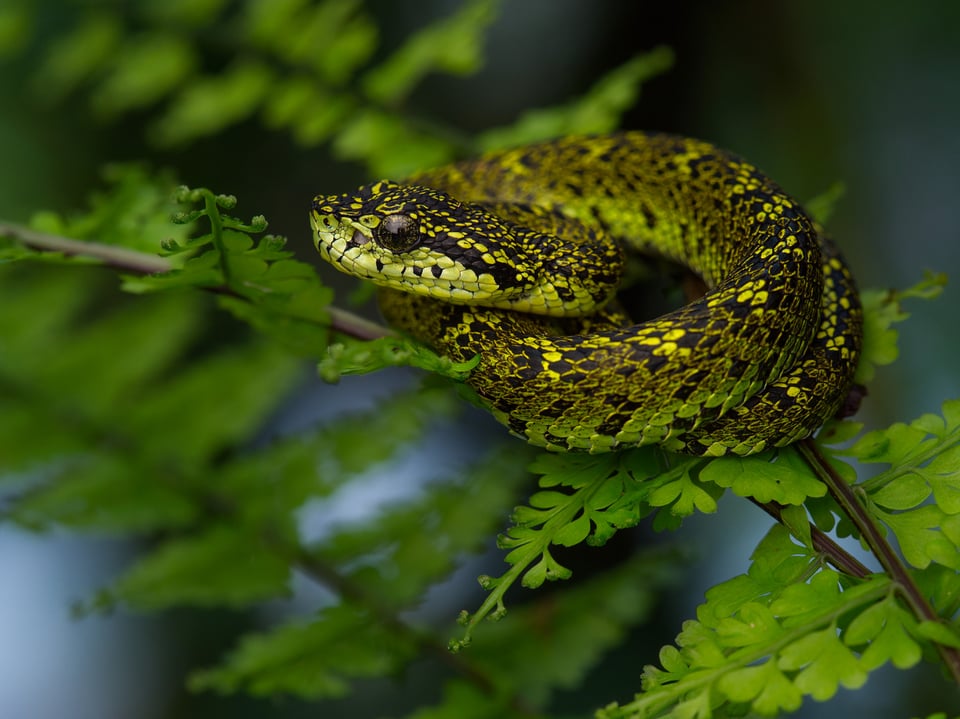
(835, 554)
(327, 575)
(649, 704)
(844, 495)
(143, 263)
(347, 323)
(120, 258)
(216, 231)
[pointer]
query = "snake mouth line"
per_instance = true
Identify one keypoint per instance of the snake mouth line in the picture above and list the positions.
(453, 283)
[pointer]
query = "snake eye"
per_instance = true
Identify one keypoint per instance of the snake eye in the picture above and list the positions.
(397, 233)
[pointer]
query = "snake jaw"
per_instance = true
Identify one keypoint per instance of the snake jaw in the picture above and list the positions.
(450, 254)
(351, 247)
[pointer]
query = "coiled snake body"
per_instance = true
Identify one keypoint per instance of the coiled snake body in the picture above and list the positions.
(495, 255)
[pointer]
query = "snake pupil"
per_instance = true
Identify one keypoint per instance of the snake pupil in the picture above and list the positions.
(397, 233)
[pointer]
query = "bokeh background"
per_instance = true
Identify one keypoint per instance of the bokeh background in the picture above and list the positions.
(864, 93)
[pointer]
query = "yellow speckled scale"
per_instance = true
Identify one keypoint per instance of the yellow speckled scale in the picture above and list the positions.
(516, 256)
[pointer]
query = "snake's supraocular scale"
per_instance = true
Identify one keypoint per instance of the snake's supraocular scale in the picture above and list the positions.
(494, 256)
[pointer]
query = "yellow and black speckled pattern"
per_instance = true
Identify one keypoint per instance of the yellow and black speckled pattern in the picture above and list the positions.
(764, 358)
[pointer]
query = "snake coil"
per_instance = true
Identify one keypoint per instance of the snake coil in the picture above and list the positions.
(517, 256)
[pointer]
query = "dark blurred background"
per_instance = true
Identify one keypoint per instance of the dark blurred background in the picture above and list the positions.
(865, 93)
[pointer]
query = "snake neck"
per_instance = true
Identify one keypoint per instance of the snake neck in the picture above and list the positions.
(578, 266)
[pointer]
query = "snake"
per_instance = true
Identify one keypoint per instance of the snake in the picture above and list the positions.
(518, 256)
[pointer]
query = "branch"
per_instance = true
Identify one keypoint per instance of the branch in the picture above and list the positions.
(142, 263)
(347, 323)
(834, 553)
(327, 575)
(874, 539)
(120, 258)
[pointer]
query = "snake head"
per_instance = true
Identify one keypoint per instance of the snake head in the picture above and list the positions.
(423, 241)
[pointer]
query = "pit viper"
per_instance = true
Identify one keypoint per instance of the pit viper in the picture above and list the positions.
(517, 256)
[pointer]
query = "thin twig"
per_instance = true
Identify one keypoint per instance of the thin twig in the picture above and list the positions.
(143, 263)
(347, 323)
(874, 539)
(320, 571)
(110, 255)
(834, 553)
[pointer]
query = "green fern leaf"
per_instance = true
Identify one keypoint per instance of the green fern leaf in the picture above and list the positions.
(764, 688)
(450, 45)
(571, 630)
(210, 104)
(887, 627)
(350, 358)
(783, 478)
(78, 55)
(924, 461)
(390, 145)
(413, 544)
(824, 664)
(463, 700)
(310, 659)
(15, 28)
(881, 310)
(598, 110)
(821, 207)
(103, 492)
(145, 71)
(768, 638)
(220, 566)
(923, 535)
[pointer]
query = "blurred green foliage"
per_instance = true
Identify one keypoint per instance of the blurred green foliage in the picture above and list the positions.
(311, 69)
(142, 414)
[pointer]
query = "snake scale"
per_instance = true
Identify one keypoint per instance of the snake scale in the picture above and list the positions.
(517, 255)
